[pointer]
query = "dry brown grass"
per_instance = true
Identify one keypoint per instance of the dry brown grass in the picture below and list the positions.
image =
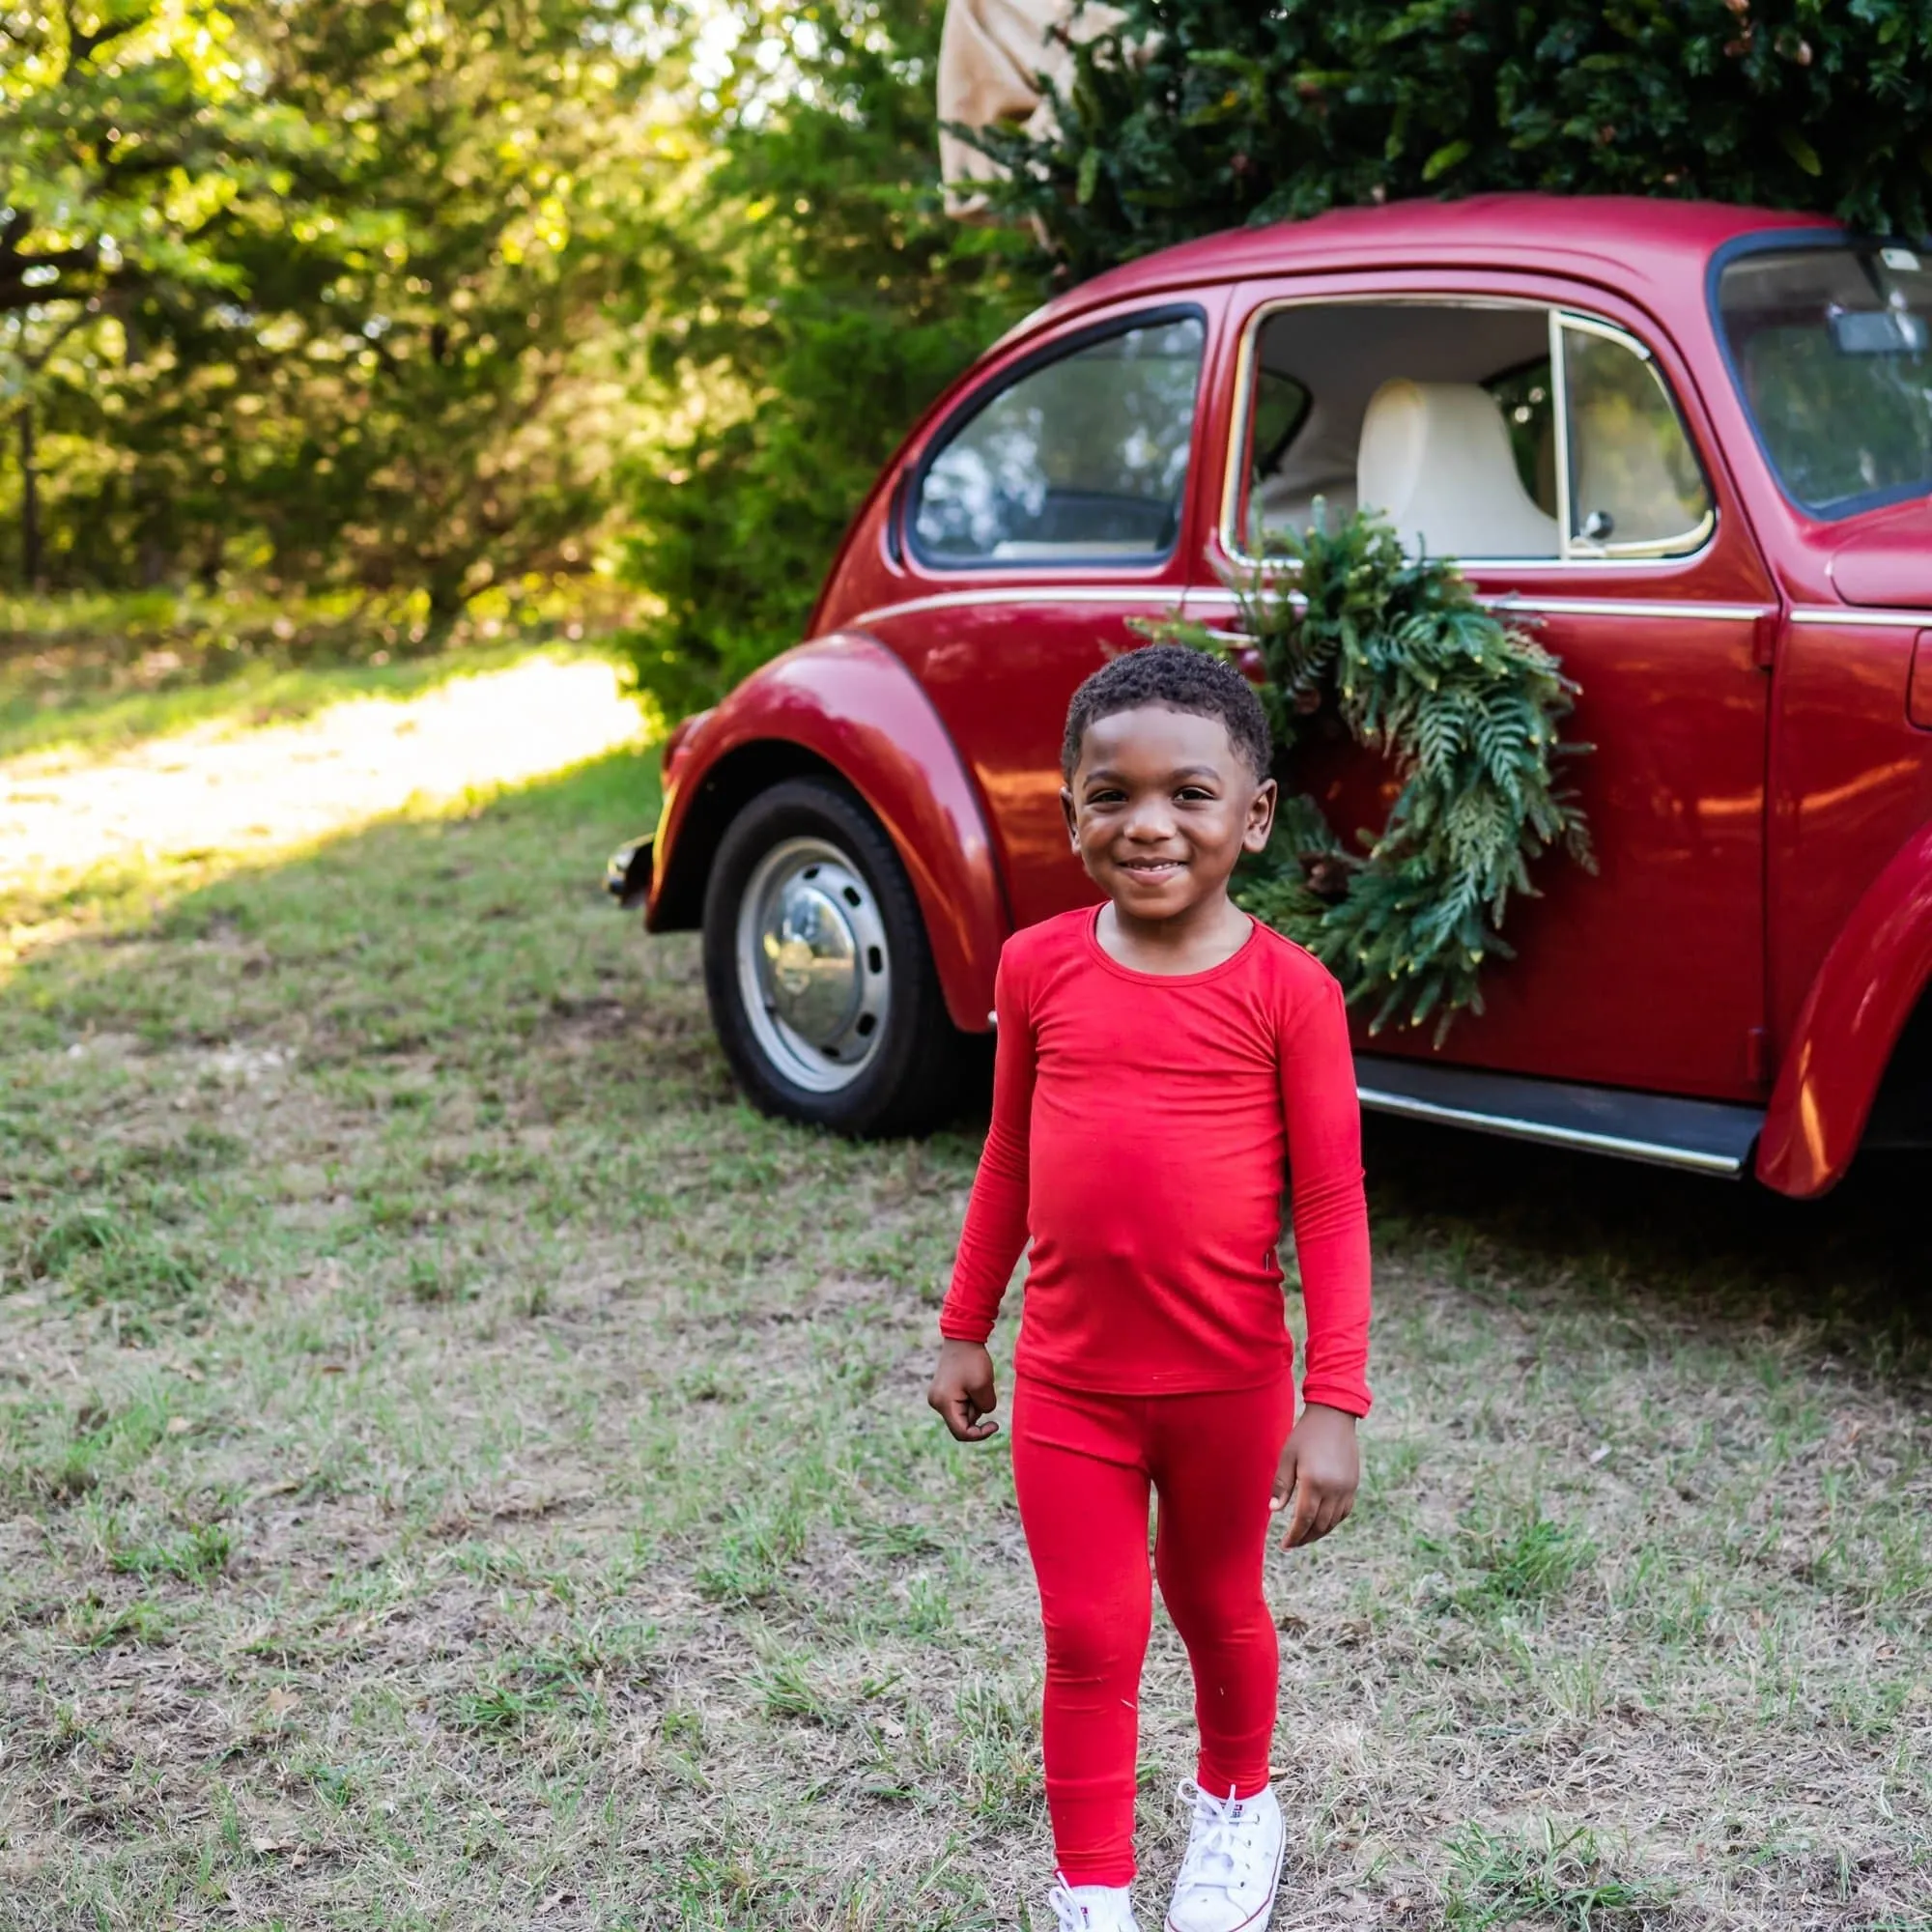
(459, 1468)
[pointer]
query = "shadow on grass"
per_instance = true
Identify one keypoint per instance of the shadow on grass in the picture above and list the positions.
(1852, 1270)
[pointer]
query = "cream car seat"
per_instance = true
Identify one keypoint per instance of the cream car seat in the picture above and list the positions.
(1434, 459)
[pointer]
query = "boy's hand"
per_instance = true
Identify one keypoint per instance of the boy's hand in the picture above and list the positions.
(962, 1390)
(1321, 1467)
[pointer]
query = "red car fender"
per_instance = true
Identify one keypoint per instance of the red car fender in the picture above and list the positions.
(845, 703)
(1859, 1003)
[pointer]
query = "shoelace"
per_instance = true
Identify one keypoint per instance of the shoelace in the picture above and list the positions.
(1221, 1846)
(1069, 1915)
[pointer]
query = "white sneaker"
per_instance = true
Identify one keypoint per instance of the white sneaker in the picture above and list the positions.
(1227, 1879)
(1090, 1908)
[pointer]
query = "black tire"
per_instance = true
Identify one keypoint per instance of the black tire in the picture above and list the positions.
(911, 1061)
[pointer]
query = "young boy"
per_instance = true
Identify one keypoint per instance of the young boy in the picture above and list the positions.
(1160, 1059)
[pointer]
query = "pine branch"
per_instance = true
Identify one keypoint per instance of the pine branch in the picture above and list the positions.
(1466, 705)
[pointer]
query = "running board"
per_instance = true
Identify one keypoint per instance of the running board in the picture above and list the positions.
(1705, 1136)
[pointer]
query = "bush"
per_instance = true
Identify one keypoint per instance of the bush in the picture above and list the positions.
(1205, 114)
(828, 300)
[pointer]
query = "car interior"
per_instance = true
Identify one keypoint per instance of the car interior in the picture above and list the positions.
(1439, 416)
(1443, 419)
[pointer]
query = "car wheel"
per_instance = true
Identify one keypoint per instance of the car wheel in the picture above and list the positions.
(816, 966)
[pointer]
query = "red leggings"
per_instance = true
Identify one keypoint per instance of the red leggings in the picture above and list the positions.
(1083, 1465)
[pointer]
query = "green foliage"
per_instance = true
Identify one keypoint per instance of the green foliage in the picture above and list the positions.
(196, 1555)
(326, 292)
(1549, 1879)
(133, 156)
(822, 300)
(136, 151)
(1203, 114)
(1465, 705)
(1521, 1556)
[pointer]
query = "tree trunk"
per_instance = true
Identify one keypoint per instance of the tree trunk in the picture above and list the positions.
(30, 501)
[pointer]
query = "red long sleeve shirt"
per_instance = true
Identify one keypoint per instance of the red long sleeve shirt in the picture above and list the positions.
(1143, 1126)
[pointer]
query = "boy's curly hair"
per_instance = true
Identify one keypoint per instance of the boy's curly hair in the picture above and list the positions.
(1179, 679)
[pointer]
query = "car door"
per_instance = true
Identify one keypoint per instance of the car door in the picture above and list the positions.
(1041, 517)
(1576, 484)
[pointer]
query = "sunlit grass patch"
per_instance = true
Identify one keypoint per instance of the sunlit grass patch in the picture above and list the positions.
(60, 720)
(106, 845)
(84, 674)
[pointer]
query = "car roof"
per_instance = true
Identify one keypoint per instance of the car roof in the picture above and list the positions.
(1633, 240)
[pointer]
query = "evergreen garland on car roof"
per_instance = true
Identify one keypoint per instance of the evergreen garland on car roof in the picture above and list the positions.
(1464, 704)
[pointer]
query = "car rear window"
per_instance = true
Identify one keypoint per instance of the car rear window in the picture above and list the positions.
(1079, 459)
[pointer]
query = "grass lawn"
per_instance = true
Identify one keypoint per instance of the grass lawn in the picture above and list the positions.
(459, 1468)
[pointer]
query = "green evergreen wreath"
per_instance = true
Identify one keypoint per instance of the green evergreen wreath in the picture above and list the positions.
(1467, 707)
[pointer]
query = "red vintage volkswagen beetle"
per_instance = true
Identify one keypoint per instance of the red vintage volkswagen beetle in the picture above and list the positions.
(1694, 442)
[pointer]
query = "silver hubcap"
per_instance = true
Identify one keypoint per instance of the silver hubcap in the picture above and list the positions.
(812, 968)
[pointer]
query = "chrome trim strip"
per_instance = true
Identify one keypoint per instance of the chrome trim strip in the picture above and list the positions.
(1240, 431)
(1559, 403)
(1827, 613)
(1170, 594)
(1618, 607)
(1589, 324)
(1591, 607)
(1511, 1128)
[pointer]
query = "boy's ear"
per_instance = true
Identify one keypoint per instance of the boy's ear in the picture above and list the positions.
(1260, 817)
(1066, 812)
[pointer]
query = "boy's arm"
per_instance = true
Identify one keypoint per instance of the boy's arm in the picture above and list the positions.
(995, 1233)
(1330, 1215)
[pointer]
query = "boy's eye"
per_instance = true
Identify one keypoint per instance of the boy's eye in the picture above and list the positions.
(1194, 793)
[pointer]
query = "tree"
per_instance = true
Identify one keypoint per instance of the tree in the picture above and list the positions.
(1204, 114)
(329, 291)
(440, 389)
(130, 149)
(815, 299)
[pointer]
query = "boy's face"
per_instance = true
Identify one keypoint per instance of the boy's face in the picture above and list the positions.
(1161, 807)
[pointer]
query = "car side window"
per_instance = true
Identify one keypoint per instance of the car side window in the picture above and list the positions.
(1528, 399)
(1080, 459)
(1636, 487)
(1489, 432)
(1436, 416)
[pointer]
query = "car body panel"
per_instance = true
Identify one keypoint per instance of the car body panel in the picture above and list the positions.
(1856, 1009)
(849, 703)
(1885, 559)
(1758, 794)
(1675, 706)
(1854, 779)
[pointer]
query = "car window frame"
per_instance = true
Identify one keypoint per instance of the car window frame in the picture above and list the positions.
(1690, 541)
(1572, 554)
(905, 524)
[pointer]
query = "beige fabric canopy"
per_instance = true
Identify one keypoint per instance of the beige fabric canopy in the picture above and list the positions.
(991, 53)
